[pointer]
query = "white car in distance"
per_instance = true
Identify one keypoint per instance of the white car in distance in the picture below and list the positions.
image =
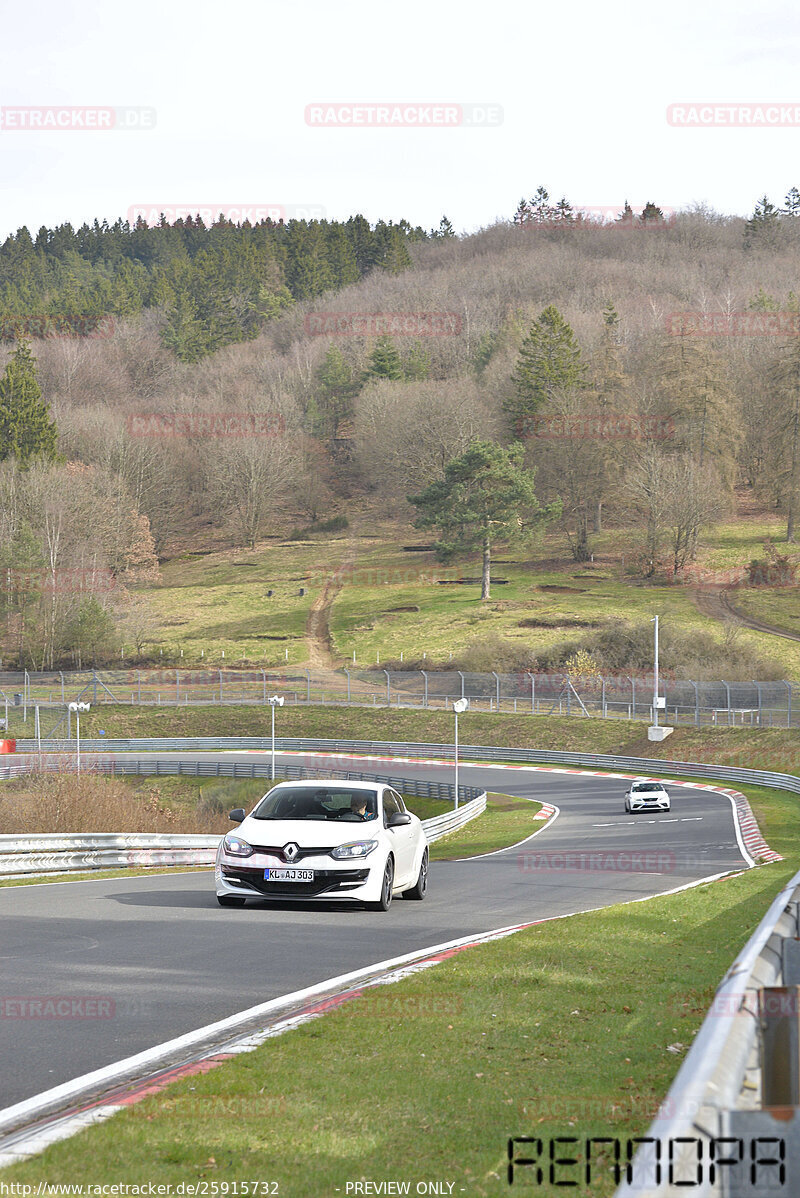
(326, 839)
(646, 796)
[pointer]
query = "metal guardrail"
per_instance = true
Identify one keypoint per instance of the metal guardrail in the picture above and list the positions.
(424, 749)
(57, 853)
(706, 1102)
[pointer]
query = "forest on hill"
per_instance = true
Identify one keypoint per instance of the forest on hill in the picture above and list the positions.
(216, 385)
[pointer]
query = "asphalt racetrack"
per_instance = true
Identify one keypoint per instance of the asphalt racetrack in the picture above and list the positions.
(161, 958)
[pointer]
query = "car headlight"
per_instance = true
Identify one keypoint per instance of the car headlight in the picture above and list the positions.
(236, 847)
(356, 848)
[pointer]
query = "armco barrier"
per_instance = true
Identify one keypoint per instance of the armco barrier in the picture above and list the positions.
(56, 853)
(715, 1096)
(401, 749)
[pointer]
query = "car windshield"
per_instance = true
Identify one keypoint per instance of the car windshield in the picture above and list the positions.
(648, 786)
(319, 803)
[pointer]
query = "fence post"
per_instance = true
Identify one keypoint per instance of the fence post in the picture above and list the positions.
(425, 676)
(696, 706)
(177, 686)
(727, 698)
(461, 676)
(633, 696)
(757, 685)
(533, 693)
(94, 681)
(308, 686)
(69, 724)
(347, 672)
(788, 686)
(603, 697)
(139, 687)
(496, 687)
(264, 680)
(388, 689)
(61, 676)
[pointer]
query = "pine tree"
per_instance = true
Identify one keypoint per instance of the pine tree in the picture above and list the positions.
(26, 430)
(486, 495)
(385, 361)
(651, 214)
(762, 227)
(549, 359)
(445, 229)
(337, 388)
(792, 202)
(183, 332)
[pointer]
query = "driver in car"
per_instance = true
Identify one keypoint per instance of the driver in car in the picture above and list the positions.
(358, 806)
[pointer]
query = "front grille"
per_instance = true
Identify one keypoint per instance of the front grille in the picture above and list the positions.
(325, 881)
(277, 851)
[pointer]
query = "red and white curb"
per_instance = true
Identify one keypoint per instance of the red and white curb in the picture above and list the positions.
(751, 842)
(98, 1096)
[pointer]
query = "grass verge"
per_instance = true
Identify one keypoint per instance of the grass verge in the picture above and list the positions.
(570, 1028)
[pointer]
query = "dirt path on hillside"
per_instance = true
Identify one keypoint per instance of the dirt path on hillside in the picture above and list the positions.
(318, 626)
(719, 606)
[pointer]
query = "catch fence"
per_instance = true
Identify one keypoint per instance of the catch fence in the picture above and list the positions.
(617, 696)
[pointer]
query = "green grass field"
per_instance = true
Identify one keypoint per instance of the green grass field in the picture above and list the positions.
(390, 601)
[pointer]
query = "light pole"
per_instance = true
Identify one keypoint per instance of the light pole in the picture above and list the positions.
(78, 708)
(459, 705)
(274, 701)
(655, 672)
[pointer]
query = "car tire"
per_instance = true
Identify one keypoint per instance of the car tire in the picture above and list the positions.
(628, 807)
(230, 900)
(420, 887)
(385, 901)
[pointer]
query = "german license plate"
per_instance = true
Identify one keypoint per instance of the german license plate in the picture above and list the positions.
(288, 875)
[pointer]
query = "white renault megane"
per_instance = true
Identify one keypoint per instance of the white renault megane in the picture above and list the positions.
(324, 840)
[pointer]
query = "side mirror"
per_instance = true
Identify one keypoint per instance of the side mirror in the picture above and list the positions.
(398, 819)
(237, 815)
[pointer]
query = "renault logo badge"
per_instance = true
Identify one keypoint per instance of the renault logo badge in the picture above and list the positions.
(290, 851)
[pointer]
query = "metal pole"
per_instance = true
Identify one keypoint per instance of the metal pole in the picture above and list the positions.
(425, 676)
(78, 723)
(696, 706)
(308, 686)
(604, 697)
(388, 689)
(456, 761)
(139, 687)
(94, 678)
(69, 724)
(264, 680)
(461, 676)
(220, 686)
(758, 688)
(655, 676)
(272, 770)
(177, 687)
(533, 694)
(347, 672)
(37, 731)
(788, 686)
(61, 676)
(497, 688)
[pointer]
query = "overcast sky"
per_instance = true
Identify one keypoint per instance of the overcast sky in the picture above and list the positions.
(584, 91)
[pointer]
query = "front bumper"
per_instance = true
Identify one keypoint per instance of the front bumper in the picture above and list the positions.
(649, 804)
(356, 879)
